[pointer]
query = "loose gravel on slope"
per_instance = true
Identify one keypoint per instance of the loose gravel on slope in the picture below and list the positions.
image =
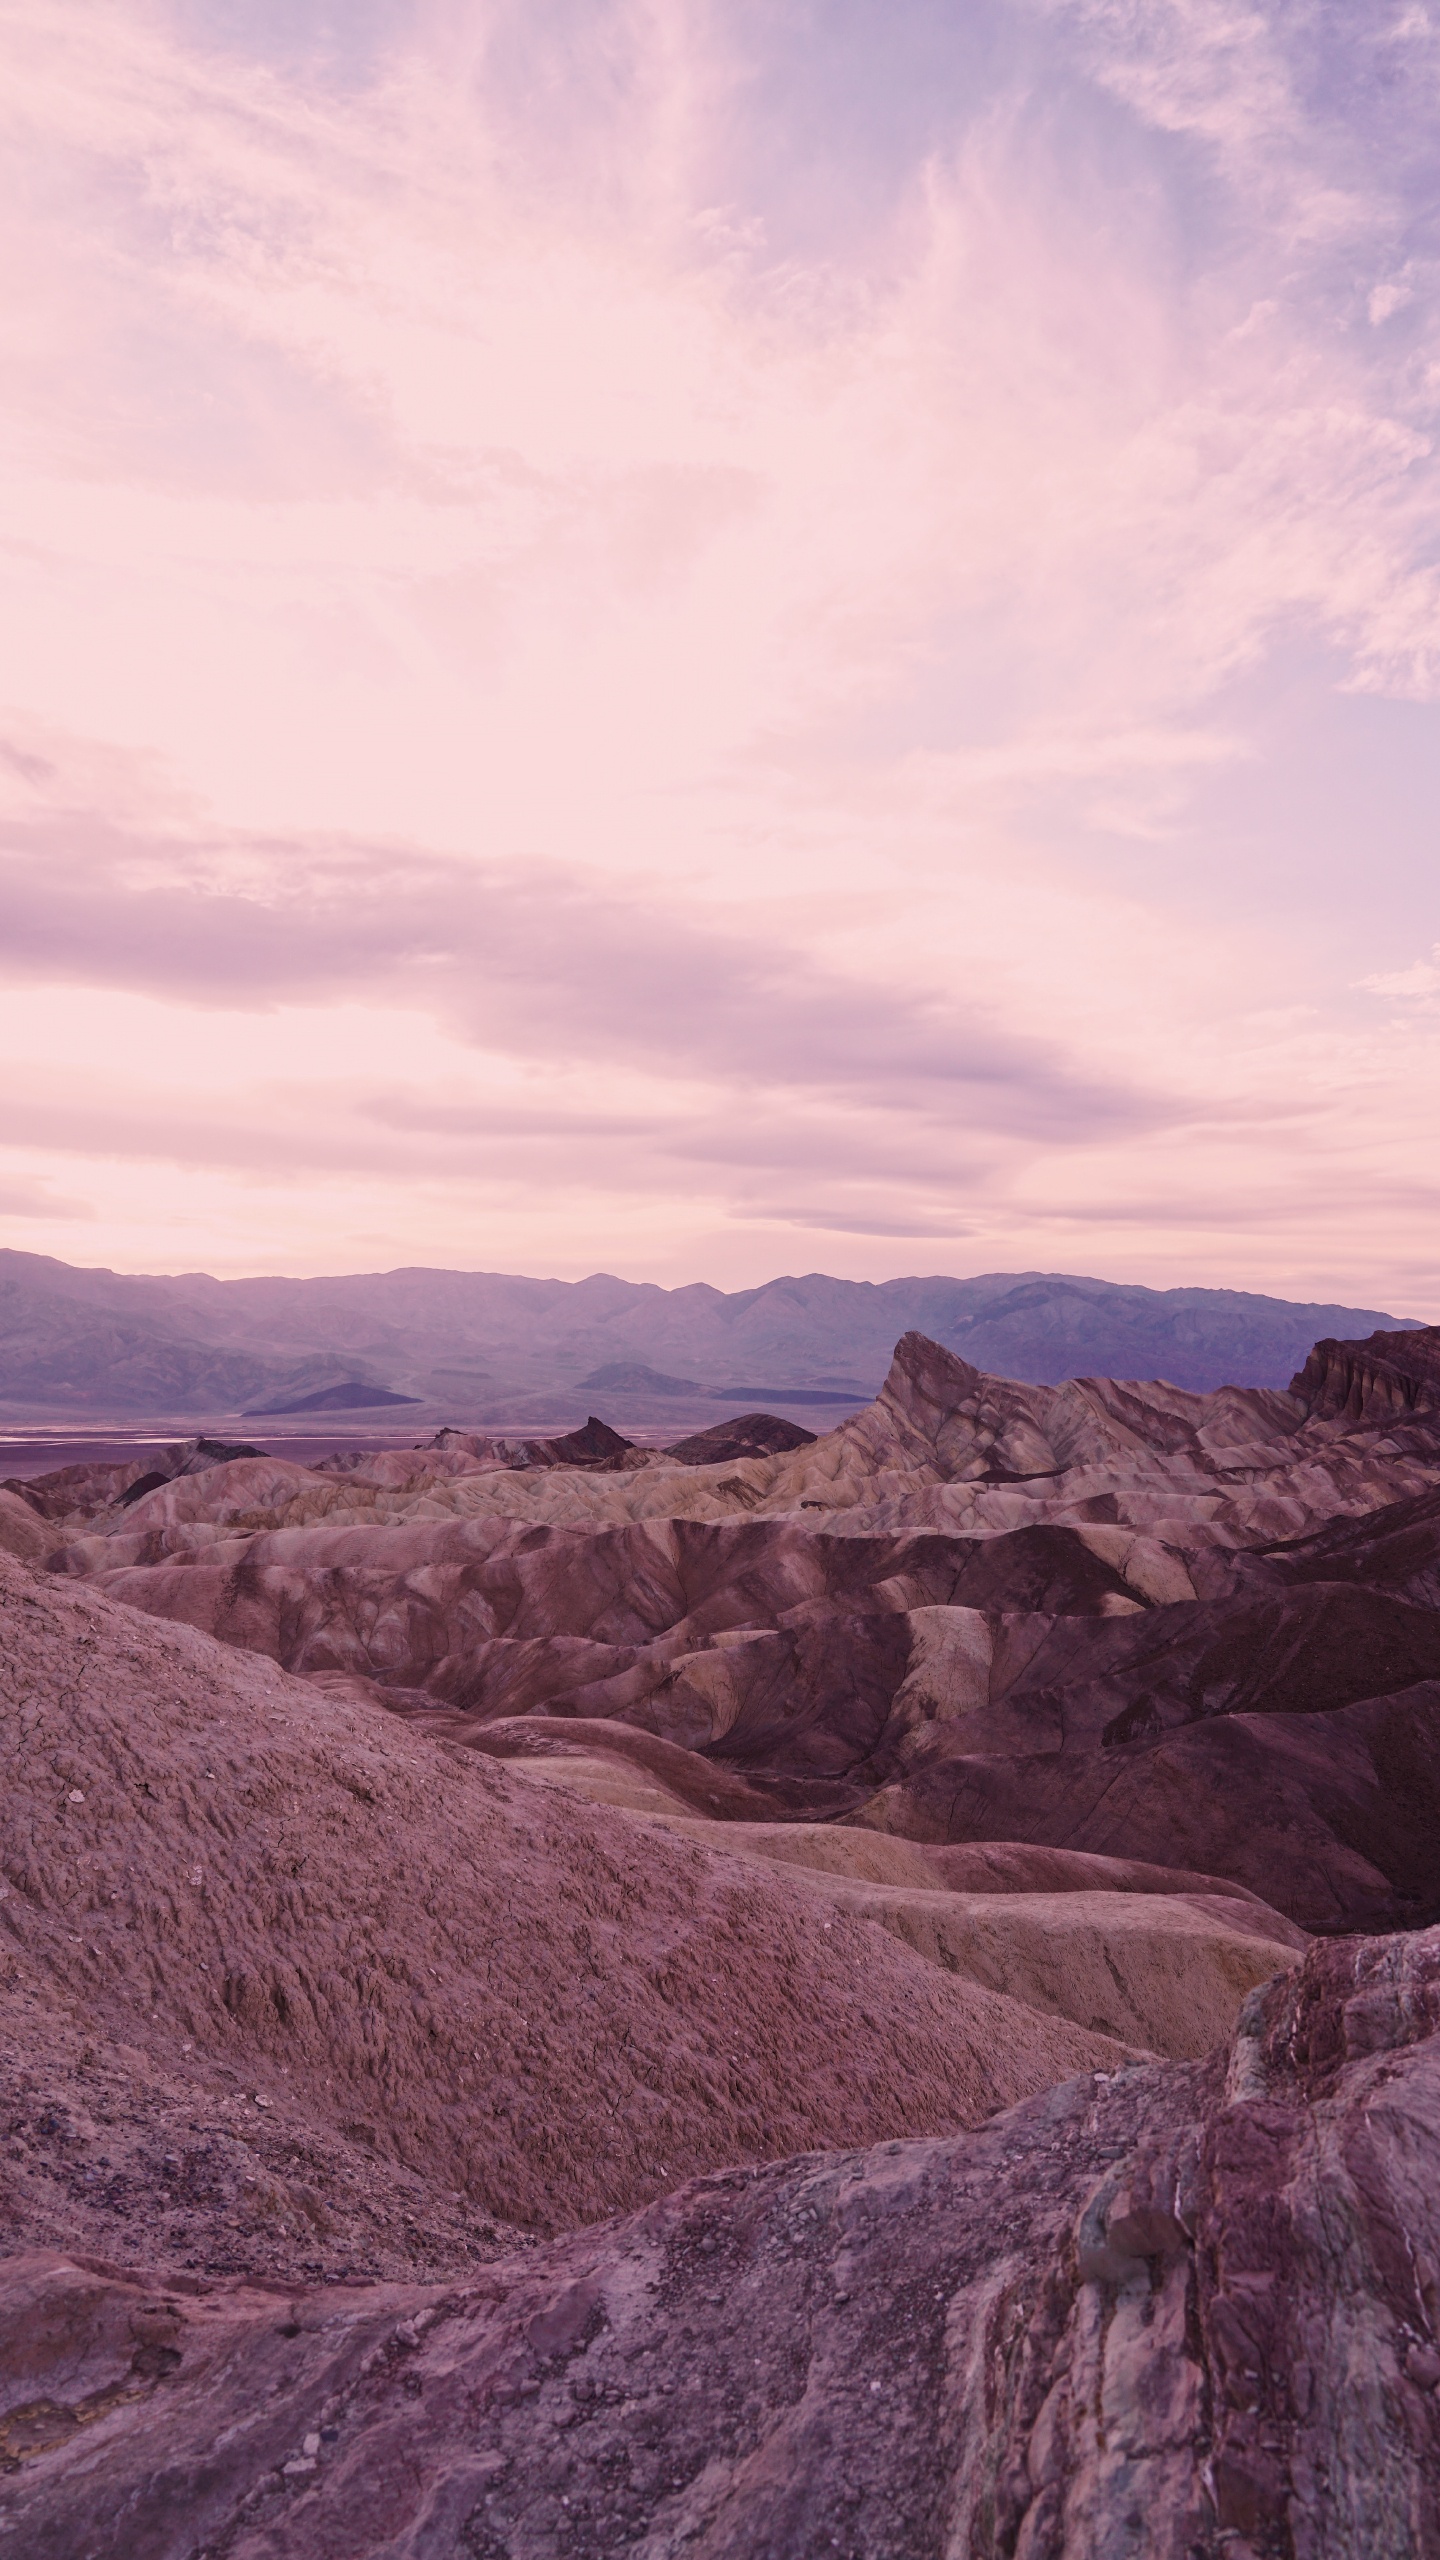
(273, 1894)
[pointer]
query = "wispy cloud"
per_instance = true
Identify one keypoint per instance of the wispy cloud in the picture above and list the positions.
(1420, 980)
(549, 653)
(533, 962)
(37, 1200)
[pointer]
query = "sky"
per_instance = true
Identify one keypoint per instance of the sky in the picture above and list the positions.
(703, 640)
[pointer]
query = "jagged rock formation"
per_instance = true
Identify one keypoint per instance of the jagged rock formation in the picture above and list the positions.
(1392, 1373)
(1190, 2311)
(79, 1492)
(1099, 1616)
(594, 1445)
(942, 1446)
(749, 1435)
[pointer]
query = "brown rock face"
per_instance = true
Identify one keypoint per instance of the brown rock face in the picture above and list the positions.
(1391, 1373)
(1186, 2312)
(750, 1435)
(1018, 1686)
(77, 1493)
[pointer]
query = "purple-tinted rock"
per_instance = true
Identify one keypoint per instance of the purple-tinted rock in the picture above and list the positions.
(1181, 2313)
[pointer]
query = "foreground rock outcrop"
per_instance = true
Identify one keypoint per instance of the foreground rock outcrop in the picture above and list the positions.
(1189, 2312)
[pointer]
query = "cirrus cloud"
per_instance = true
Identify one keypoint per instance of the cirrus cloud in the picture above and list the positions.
(552, 653)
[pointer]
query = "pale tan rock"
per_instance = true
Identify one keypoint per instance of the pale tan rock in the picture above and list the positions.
(978, 1609)
(1166, 1972)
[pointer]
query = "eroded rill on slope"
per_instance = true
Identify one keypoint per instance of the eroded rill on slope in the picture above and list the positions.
(443, 1895)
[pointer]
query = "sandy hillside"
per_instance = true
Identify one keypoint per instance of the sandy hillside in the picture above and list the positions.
(269, 1893)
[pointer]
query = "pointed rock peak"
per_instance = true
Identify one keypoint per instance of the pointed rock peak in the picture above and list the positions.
(596, 1440)
(925, 1379)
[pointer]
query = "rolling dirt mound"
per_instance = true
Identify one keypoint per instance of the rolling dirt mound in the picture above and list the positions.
(1282, 1737)
(1162, 1963)
(1163, 1971)
(1395, 1551)
(484, 1982)
(1186, 2311)
(998, 1869)
(22, 1532)
(664, 1774)
(164, 2152)
(181, 1548)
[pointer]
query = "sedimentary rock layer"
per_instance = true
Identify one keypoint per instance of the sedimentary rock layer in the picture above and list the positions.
(1110, 1617)
(409, 1859)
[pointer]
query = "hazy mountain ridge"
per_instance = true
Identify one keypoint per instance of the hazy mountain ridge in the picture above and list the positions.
(496, 1346)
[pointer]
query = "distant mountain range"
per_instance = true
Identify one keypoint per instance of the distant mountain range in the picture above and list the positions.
(486, 1347)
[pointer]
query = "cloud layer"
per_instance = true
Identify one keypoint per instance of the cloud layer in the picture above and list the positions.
(644, 633)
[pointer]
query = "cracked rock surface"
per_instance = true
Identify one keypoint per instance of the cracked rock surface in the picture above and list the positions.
(1176, 2311)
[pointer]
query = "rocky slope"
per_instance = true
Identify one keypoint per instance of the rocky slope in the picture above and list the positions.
(1389, 1374)
(290, 1900)
(1178, 2312)
(410, 1864)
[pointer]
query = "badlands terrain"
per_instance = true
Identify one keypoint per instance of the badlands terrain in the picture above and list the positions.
(871, 1993)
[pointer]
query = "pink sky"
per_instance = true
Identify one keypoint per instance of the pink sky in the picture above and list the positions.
(702, 641)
